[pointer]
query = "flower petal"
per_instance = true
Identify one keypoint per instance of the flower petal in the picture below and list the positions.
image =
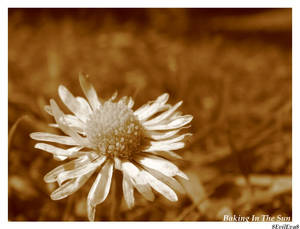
(48, 137)
(162, 135)
(101, 186)
(60, 120)
(170, 181)
(138, 180)
(164, 115)
(114, 96)
(75, 123)
(130, 103)
(84, 105)
(91, 212)
(89, 92)
(70, 187)
(162, 165)
(161, 147)
(128, 191)
(147, 111)
(72, 103)
(174, 124)
(160, 187)
(80, 170)
(171, 140)
(74, 151)
(52, 175)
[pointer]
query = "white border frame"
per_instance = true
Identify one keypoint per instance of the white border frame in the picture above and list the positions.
(144, 4)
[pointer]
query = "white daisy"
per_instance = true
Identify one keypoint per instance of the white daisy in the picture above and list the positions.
(103, 136)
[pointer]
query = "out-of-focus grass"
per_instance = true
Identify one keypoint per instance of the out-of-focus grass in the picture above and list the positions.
(231, 67)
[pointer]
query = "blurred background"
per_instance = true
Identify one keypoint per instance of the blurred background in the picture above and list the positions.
(231, 67)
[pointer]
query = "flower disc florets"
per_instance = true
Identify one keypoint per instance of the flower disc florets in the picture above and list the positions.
(113, 130)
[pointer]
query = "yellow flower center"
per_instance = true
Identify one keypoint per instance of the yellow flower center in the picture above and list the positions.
(114, 130)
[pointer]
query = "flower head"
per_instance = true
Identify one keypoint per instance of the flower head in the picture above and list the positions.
(103, 136)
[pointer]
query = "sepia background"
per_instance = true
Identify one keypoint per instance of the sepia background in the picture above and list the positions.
(231, 68)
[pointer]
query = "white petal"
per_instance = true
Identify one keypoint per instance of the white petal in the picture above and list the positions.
(91, 211)
(48, 137)
(59, 151)
(160, 147)
(142, 109)
(70, 187)
(130, 169)
(143, 187)
(89, 92)
(159, 136)
(170, 181)
(128, 191)
(138, 180)
(47, 108)
(145, 112)
(160, 187)
(60, 120)
(162, 165)
(80, 170)
(130, 103)
(123, 100)
(174, 124)
(59, 158)
(171, 140)
(74, 122)
(113, 97)
(84, 106)
(182, 174)
(164, 115)
(52, 175)
(72, 103)
(101, 186)
(53, 125)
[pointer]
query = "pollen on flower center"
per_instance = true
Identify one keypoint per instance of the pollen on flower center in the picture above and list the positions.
(114, 130)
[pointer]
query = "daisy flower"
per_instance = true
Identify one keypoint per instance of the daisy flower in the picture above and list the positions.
(106, 135)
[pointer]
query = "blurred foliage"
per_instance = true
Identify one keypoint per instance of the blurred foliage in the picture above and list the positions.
(231, 67)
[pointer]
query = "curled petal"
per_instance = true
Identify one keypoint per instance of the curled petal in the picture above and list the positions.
(70, 187)
(164, 115)
(101, 186)
(147, 111)
(52, 175)
(89, 92)
(72, 103)
(80, 170)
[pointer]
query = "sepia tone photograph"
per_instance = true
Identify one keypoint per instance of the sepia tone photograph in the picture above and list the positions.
(150, 114)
